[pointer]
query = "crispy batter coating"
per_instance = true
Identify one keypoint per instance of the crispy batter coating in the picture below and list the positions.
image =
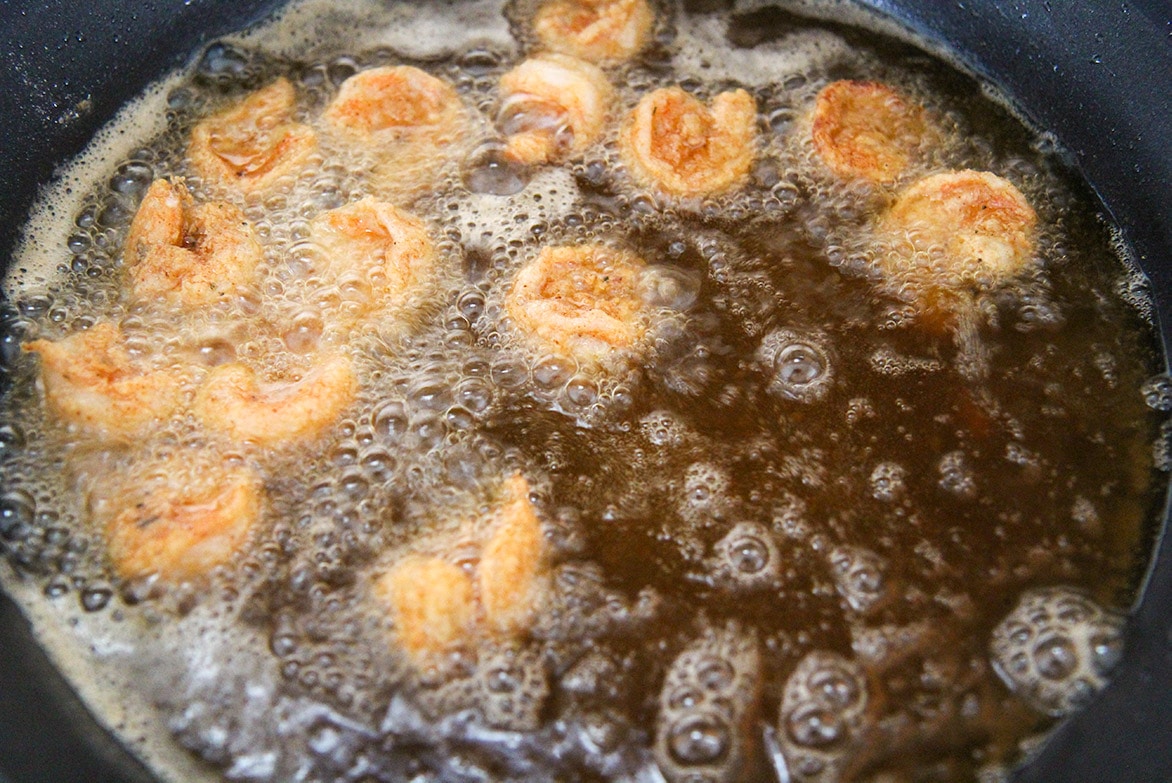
(866, 130)
(90, 380)
(231, 401)
(437, 606)
(401, 99)
(188, 253)
(963, 228)
(412, 121)
(388, 251)
(595, 30)
(178, 518)
(579, 301)
(511, 561)
(553, 106)
(250, 146)
(431, 603)
(674, 143)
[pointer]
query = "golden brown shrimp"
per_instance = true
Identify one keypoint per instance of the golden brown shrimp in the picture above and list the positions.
(90, 380)
(178, 518)
(231, 401)
(962, 229)
(438, 605)
(431, 602)
(553, 105)
(511, 562)
(579, 301)
(251, 146)
(405, 116)
(594, 30)
(192, 254)
(866, 130)
(674, 143)
(388, 251)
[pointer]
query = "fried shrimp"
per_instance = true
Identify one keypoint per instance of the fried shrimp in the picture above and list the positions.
(232, 402)
(177, 518)
(866, 130)
(553, 106)
(192, 254)
(405, 116)
(383, 252)
(251, 146)
(594, 30)
(91, 380)
(962, 229)
(432, 604)
(676, 144)
(511, 561)
(579, 301)
(437, 605)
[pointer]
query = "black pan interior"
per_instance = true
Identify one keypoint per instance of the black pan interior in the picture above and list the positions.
(1096, 74)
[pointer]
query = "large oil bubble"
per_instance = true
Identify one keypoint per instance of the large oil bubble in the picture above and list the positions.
(1056, 648)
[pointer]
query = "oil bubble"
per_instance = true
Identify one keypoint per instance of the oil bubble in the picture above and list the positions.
(799, 365)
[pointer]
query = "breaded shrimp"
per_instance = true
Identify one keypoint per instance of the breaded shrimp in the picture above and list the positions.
(250, 146)
(866, 130)
(963, 228)
(672, 142)
(552, 106)
(192, 254)
(579, 301)
(511, 561)
(431, 603)
(179, 517)
(594, 30)
(406, 117)
(231, 401)
(387, 249)
(90, 380)
(437, 605)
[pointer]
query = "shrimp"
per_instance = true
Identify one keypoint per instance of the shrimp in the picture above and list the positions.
(511, 561)
(253, 145)
(579, 301)
(406, 116)
(90, 380)
(386, 249)
(188, 253)
(962, 228)
(595, 30)
(437, 605)
(674, 143)
(178, 518)
(552, 106)
(866, 130)
(432, 604)
(230, 401)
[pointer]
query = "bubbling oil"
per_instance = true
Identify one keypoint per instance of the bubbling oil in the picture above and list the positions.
(801, 537)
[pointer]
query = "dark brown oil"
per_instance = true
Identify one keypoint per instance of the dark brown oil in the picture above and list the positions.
(950, 465)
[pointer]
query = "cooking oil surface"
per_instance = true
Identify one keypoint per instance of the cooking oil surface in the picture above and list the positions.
(804, 528)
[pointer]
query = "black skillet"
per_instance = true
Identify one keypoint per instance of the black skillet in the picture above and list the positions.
(1096, 74)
